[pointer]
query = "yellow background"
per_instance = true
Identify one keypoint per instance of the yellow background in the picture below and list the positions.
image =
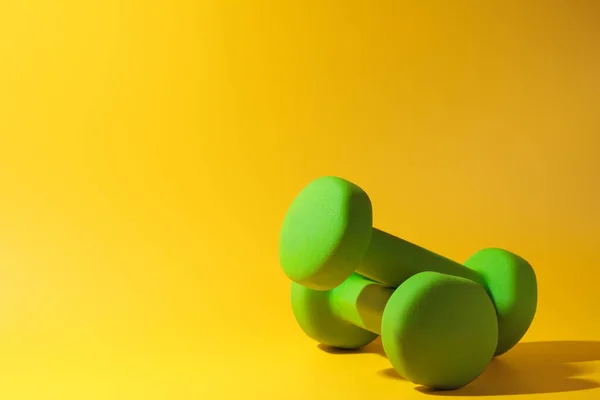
(149, 150)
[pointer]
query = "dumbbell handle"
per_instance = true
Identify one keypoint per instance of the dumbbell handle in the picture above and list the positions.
(360, 302)
(390, 261)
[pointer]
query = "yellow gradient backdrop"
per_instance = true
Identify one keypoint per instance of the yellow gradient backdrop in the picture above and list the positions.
(149, 150)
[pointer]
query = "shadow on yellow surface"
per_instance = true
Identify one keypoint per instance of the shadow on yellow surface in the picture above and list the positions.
(528, 368)
(374, 347)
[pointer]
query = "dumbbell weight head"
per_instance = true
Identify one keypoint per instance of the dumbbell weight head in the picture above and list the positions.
(327, 235)
(437, 330)
(512, 285)
(442, 332)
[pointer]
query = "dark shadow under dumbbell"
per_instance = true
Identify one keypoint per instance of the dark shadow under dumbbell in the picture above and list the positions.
(530, 368)
(375, 347)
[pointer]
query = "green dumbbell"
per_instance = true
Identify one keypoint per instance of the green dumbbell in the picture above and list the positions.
(437, 330)
(327, 235)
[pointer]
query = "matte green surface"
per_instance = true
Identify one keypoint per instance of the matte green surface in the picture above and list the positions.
(512, 285)
(439, 331)
(361, 302)
(391, 260)
(348, 316)
(325, 233)
(509, 280)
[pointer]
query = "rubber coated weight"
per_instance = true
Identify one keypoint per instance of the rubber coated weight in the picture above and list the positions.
(437, 330)
(327, 235)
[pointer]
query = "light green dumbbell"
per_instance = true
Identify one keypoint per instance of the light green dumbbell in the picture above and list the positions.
(327, 235)
(437, 330)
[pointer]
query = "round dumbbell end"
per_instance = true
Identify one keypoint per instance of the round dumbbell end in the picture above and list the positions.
(313, 313)
(512, 285)
(439, 331)
(325, 233)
